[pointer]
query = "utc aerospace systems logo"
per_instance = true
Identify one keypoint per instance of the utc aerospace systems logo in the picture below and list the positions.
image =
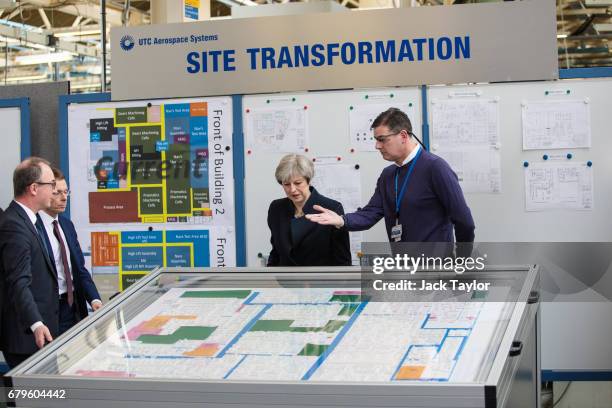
(127, 42)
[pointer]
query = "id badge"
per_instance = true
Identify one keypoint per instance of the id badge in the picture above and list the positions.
(396, 232)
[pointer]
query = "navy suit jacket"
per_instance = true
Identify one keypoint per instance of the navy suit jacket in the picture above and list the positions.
(29, 290)
(314, 244)
(84, 287)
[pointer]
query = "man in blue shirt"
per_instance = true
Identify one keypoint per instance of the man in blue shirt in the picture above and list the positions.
(418, 195)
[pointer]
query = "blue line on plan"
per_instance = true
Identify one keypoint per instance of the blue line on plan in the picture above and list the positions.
(250, 298)
(336, 341)
(425, 321)
(234, 367)
(460, 349)
(244, 330)
(443, 340)
(401, 362)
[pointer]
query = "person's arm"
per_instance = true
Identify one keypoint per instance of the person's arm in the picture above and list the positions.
(359, 220)
(341, 244)
(81, 272)
(446, 186)
(16, 263)
(273, 259)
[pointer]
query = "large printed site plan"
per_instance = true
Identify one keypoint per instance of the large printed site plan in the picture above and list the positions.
(152, 184)
(151, 163)
(314, 334)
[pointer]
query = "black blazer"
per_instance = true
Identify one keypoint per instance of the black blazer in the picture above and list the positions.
(305, 243)
(84, 287)
(30, 291)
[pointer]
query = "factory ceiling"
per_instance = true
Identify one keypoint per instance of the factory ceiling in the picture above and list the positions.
(46, 40)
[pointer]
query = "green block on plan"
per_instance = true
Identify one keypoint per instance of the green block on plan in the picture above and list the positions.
(285, 326)
(479, 294)
(131, 115)
(348, 310)
(313, 350)
(182, 333)
(345, 298)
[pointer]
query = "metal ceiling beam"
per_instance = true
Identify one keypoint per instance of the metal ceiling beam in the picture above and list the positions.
(234, 3)
(603, 27)
(77, 21)
(45, 19)
(43, 40)
(12, 14)
(23, 35)
(584, 12)
(91, 29)
(92, 11)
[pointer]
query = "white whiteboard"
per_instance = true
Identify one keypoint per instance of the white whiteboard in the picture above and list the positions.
(328, 135)
(509, 221)
(575, 335)
(10, 154)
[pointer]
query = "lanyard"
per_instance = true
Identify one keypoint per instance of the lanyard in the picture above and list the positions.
(398, 199)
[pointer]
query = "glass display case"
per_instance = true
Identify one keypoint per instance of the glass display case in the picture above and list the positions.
(295, 337)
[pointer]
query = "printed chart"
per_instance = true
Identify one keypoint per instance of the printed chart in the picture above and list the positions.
(296, 334)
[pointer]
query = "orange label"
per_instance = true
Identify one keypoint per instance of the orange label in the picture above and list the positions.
(410, 372)
(104, 249)
(198, 109)
(205, 350)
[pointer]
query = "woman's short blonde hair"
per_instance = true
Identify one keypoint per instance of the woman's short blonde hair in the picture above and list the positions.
(293, 165)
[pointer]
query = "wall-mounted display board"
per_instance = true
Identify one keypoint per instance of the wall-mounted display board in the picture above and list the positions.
(152, 184)
(15, 139)
(533, 159)
(557, 192)
(332, 128)
(43, 99)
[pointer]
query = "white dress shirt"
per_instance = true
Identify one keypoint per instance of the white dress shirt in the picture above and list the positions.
(57, 254)
(411, 156)
(31, 214)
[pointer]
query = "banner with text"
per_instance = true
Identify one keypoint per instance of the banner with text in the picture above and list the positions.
(393, 47)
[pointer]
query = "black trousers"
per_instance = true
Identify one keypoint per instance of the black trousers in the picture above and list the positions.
(67, 315)
(13, 360)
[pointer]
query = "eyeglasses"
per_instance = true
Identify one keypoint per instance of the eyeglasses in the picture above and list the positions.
(383, 138)
(46, 183)
(64, 192)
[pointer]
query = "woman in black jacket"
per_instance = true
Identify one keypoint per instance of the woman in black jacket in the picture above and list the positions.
(295, 240)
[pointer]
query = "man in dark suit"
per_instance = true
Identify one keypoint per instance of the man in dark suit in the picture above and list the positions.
(28, 288)
(75, 284)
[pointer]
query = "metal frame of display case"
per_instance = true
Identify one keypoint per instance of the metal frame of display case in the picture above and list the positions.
(513, 380)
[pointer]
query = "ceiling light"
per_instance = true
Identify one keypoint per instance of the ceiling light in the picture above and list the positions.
(85, 85)
(26, 78)
(75, 33)
(9, 40)
(34, 59)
